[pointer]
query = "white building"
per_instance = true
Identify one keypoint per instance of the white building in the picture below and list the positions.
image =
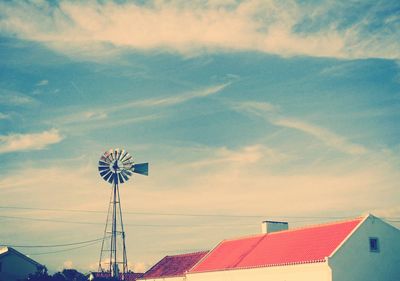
(15, 265)
(361, 249)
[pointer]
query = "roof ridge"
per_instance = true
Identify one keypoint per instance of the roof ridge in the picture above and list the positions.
(360, 218)
(295, 229)
(18, 253)
(188, 254)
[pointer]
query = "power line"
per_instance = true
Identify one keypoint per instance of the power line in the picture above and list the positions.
(182, 214)
(292, 219)
(64, 250)
(55, 245)
(126, 224)
(50, 220)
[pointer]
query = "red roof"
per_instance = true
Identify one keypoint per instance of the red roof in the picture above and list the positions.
(171, 266)
(303, 245)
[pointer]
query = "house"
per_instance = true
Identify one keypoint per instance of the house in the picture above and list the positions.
(173, 268)
(15, 265)
(360, 249)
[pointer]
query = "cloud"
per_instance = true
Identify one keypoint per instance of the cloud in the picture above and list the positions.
(248, 155)
(272, 114)
(329, 138)
(138, 266)
(14, 98)
(42, 83)
(176, 99)
(286, 28)
(23, 142)
(106, 115)
(68, 264)
(4, 116)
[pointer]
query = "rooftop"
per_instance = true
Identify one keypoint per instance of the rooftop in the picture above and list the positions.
(303, 245)
(176, 265)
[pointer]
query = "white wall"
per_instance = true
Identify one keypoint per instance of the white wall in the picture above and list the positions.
(354, 261)
(15, 267)
(301, 272)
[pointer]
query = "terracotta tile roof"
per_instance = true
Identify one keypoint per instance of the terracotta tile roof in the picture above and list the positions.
(303, 245)
(172, 266)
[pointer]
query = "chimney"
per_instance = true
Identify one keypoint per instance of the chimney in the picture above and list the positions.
(273, 226)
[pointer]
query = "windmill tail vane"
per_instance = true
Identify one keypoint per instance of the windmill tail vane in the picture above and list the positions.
(142, 169)
(116, 166)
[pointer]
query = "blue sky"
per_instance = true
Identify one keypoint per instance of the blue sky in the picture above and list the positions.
(258, 109)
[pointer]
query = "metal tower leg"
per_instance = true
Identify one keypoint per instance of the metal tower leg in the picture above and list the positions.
(114, 260)
(105, 236)
(124, 258)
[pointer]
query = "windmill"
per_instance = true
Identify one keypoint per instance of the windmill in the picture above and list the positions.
(115, 167)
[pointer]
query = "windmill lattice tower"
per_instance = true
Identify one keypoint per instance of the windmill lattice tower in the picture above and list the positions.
(116, 167)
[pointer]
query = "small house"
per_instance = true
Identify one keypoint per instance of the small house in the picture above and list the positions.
(15, 265)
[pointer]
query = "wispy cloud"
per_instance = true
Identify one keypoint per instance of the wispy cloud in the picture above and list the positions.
(22, 142)
(84, 127)
(270, 113)
(329, 138)
(245, 156)
(42, 83)
(175, 99)
(4, 116)
(8, 97)
(280, 27)
(105, 113)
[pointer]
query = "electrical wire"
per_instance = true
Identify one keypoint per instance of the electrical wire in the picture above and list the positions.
(125, 224)
(182, 214)
(55, 245)
(64, 250)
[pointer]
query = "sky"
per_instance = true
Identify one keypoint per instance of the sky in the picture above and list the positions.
(245, 110)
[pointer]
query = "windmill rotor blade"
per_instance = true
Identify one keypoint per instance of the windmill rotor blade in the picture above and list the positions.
(120, 178)
(109, 157)
(128, 159)
(112, 155)
(112, 178)
(125, 175)
(104, 159)
(102, 168)
(120, 152)
(107, 176)
(125, 154)
(104, 174)
(142, 169)
(102, 163)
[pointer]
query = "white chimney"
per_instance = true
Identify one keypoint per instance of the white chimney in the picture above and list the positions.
(273, 226)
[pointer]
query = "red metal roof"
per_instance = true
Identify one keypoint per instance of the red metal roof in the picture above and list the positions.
(303, 245)
(171, 266)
